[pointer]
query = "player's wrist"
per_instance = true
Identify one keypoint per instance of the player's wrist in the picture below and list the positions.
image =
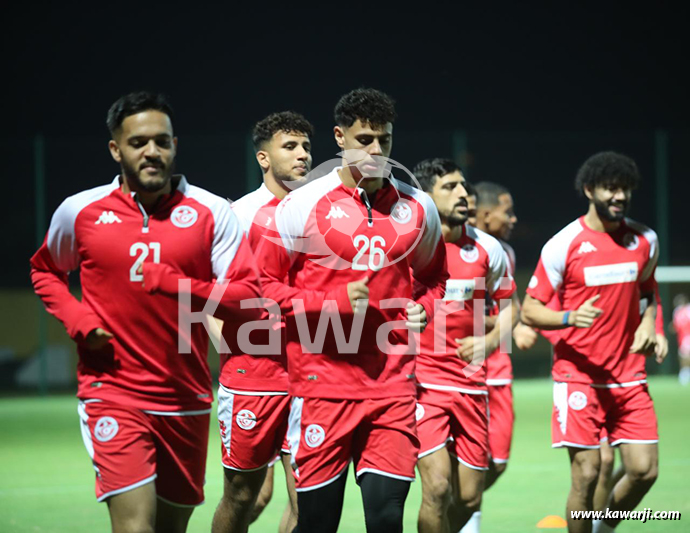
(567, 317)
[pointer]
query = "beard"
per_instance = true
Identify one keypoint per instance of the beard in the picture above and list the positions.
(153, 185)
(604, 212)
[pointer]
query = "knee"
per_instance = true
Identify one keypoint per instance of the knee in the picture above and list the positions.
(585, 475)
(387, 518)
(133, 524)
(437, 491)
(643, 473)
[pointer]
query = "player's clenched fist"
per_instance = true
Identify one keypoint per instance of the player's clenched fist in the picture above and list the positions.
(584, 316)
(416, 317)
(98, 338)
(644, 341)
(358, 290)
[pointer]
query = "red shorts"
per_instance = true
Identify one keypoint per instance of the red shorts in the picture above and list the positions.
(253, 427)
(445, 416)
(379, 435)
(130, 447)
(501, 420)
(582, 411)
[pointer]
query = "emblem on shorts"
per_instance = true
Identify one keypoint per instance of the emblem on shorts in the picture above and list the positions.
(246, 419)
(419, 412)
(106, 428)
(183, 216)
(469, 253)
(577, 400)
(314, 435)
(401, 212)
(631, 241)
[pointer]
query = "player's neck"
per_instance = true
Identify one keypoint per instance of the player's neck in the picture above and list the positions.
(275, 186)
(596, 223)
(451, 233)
(370, 185)
(145, 198)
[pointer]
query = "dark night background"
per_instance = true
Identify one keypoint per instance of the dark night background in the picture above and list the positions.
(519, 95)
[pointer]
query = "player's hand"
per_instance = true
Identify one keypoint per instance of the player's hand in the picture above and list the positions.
(471, 348)
(661, 350)
(416, 317)
(584, 316)
(644, 341)
(524, 336)
(97, 338)
(358, 290)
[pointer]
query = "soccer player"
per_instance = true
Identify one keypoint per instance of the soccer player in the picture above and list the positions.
(496, 216)
(254, 387)
(681, 325)
(452, 415)
(601, 265)
(144, 403)
(339, 267)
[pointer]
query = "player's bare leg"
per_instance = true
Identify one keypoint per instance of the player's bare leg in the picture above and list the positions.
(172, 518)
(605, 482)
(584, 473)
(468, 486)
(641, 463)
(495, 471)
(265, 495)
(288, 522)
(134, 511)
(240, 491)
(435, 470)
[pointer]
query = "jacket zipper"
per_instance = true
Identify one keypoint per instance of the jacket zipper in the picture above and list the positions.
(145, 228)
(365, 199)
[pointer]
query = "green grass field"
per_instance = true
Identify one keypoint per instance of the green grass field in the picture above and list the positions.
(46, 478)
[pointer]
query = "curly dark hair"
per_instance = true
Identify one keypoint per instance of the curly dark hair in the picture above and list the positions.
(370, 106)
(285, 121)
(134, 103)
(429, 170)
(607, 169)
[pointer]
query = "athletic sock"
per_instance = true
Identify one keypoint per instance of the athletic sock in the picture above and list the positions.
(472, 525)
(599, 526)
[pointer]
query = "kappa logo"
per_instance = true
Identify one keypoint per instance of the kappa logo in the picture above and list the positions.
(577, 400)
(469, 253)
(268, 220)
(106, 428)
(401, 212)
(246, 419)
(108, 217)
(314, 435)
(586, 247)
(533, 282)
(419, 412)
(336, 212)
(183, 216)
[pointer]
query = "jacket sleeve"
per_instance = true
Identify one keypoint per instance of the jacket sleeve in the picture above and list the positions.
(233, 266)
(283, 244)
(50, 266)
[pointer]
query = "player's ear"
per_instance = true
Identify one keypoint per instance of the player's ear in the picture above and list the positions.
(264, 160)
(588, 192)
(114, 150)
(339, 136)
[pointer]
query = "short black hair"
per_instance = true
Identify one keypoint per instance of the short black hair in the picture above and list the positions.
(471, 189)
(429, 170)
(370, 106)
(488, 193)
(607, 169)
(287, 121)
(134, 103)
